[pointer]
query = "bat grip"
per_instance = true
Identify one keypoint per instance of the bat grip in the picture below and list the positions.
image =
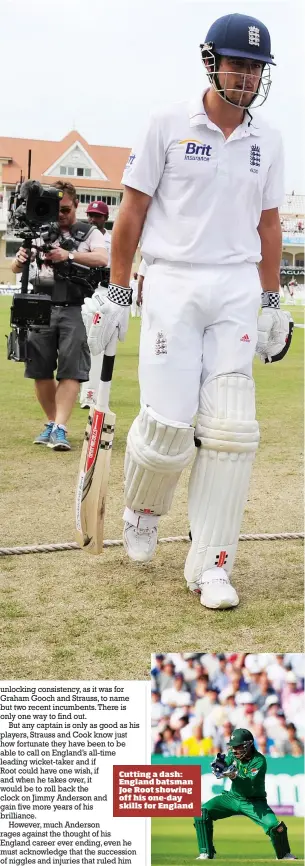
(111, 346)
(108, 359)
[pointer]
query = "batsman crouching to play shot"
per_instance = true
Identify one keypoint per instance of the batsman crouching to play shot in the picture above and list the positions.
(202, 189)
(246, 768)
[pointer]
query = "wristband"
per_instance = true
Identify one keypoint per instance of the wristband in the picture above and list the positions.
(271, 299)
(119, 295)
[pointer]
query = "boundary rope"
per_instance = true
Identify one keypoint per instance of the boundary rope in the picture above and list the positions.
(115, 542)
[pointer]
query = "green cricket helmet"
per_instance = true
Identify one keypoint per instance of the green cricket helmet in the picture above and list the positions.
(241, 743)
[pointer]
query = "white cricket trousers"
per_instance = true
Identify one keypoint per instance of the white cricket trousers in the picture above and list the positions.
(198, 322)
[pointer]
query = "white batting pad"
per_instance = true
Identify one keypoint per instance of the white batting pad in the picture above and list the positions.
(220, 476)
(157, 452)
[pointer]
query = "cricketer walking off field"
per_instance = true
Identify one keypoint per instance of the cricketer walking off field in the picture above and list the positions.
(202, 189)
(246, 767)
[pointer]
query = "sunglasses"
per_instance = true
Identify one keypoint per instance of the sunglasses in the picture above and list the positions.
(64, 209)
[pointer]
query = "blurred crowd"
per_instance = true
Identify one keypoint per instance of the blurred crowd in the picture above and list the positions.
(199, 698)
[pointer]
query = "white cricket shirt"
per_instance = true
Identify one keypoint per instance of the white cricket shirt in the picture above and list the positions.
(207, 192)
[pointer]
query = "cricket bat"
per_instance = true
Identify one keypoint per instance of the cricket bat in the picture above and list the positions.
(95, 461)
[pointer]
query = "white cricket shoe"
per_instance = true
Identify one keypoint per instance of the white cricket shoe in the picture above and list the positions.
(140, 542)
(215, 589)
(287, 857)
(203, 857)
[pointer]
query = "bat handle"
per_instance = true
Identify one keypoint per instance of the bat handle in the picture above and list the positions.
(111, 346)
(108, 359)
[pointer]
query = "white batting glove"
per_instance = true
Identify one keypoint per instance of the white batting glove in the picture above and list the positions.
(275, 329)
(91, 306)
(88, 309)
(113, 312)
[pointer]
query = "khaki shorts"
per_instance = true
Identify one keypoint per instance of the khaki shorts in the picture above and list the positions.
(60, 346)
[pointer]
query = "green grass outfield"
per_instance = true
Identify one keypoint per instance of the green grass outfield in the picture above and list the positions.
(68, 615)
(237, 840)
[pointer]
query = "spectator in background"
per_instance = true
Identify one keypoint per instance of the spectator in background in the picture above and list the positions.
(157, 709)
(197, 745)
(222, 737)
(227, 700)
(215, 715)
(166, 744)
(277, 672)
(292, 698)
(254, 683)
(220, 680)
(248, 714)
(179, 721)
(265, 691)
(158, 664)
(275, 726)
(295, 662)
(190, 672)
(259, 732)
(293, 746)
(166, 676)
(264, 745)
(177, 694)
(210, 663)
(202, 700)
(237, 681)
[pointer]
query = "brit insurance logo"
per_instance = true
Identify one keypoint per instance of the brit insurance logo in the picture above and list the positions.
(195, 149)
(255, 158)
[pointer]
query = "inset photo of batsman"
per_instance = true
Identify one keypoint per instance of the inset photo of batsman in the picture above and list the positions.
(151, 329)
(240, 717)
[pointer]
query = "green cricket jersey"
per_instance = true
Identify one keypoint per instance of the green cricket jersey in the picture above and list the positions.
(250, 782)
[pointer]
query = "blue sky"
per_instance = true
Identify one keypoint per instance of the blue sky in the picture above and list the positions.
(101, 65)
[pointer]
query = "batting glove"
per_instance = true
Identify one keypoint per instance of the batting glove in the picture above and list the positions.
(113, 312)
(275, 329)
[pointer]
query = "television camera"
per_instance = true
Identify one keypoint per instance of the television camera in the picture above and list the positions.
(33, 218)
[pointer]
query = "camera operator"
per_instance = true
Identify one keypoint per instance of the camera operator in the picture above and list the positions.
(63, 344)
(98, 214)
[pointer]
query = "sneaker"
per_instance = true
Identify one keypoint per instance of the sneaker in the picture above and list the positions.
(140, 543)
(44, 437)
(203, 857)
(287, 857)
(58, 440)
(215, 589)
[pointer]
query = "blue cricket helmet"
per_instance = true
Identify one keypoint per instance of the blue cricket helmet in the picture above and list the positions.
(240, 36)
